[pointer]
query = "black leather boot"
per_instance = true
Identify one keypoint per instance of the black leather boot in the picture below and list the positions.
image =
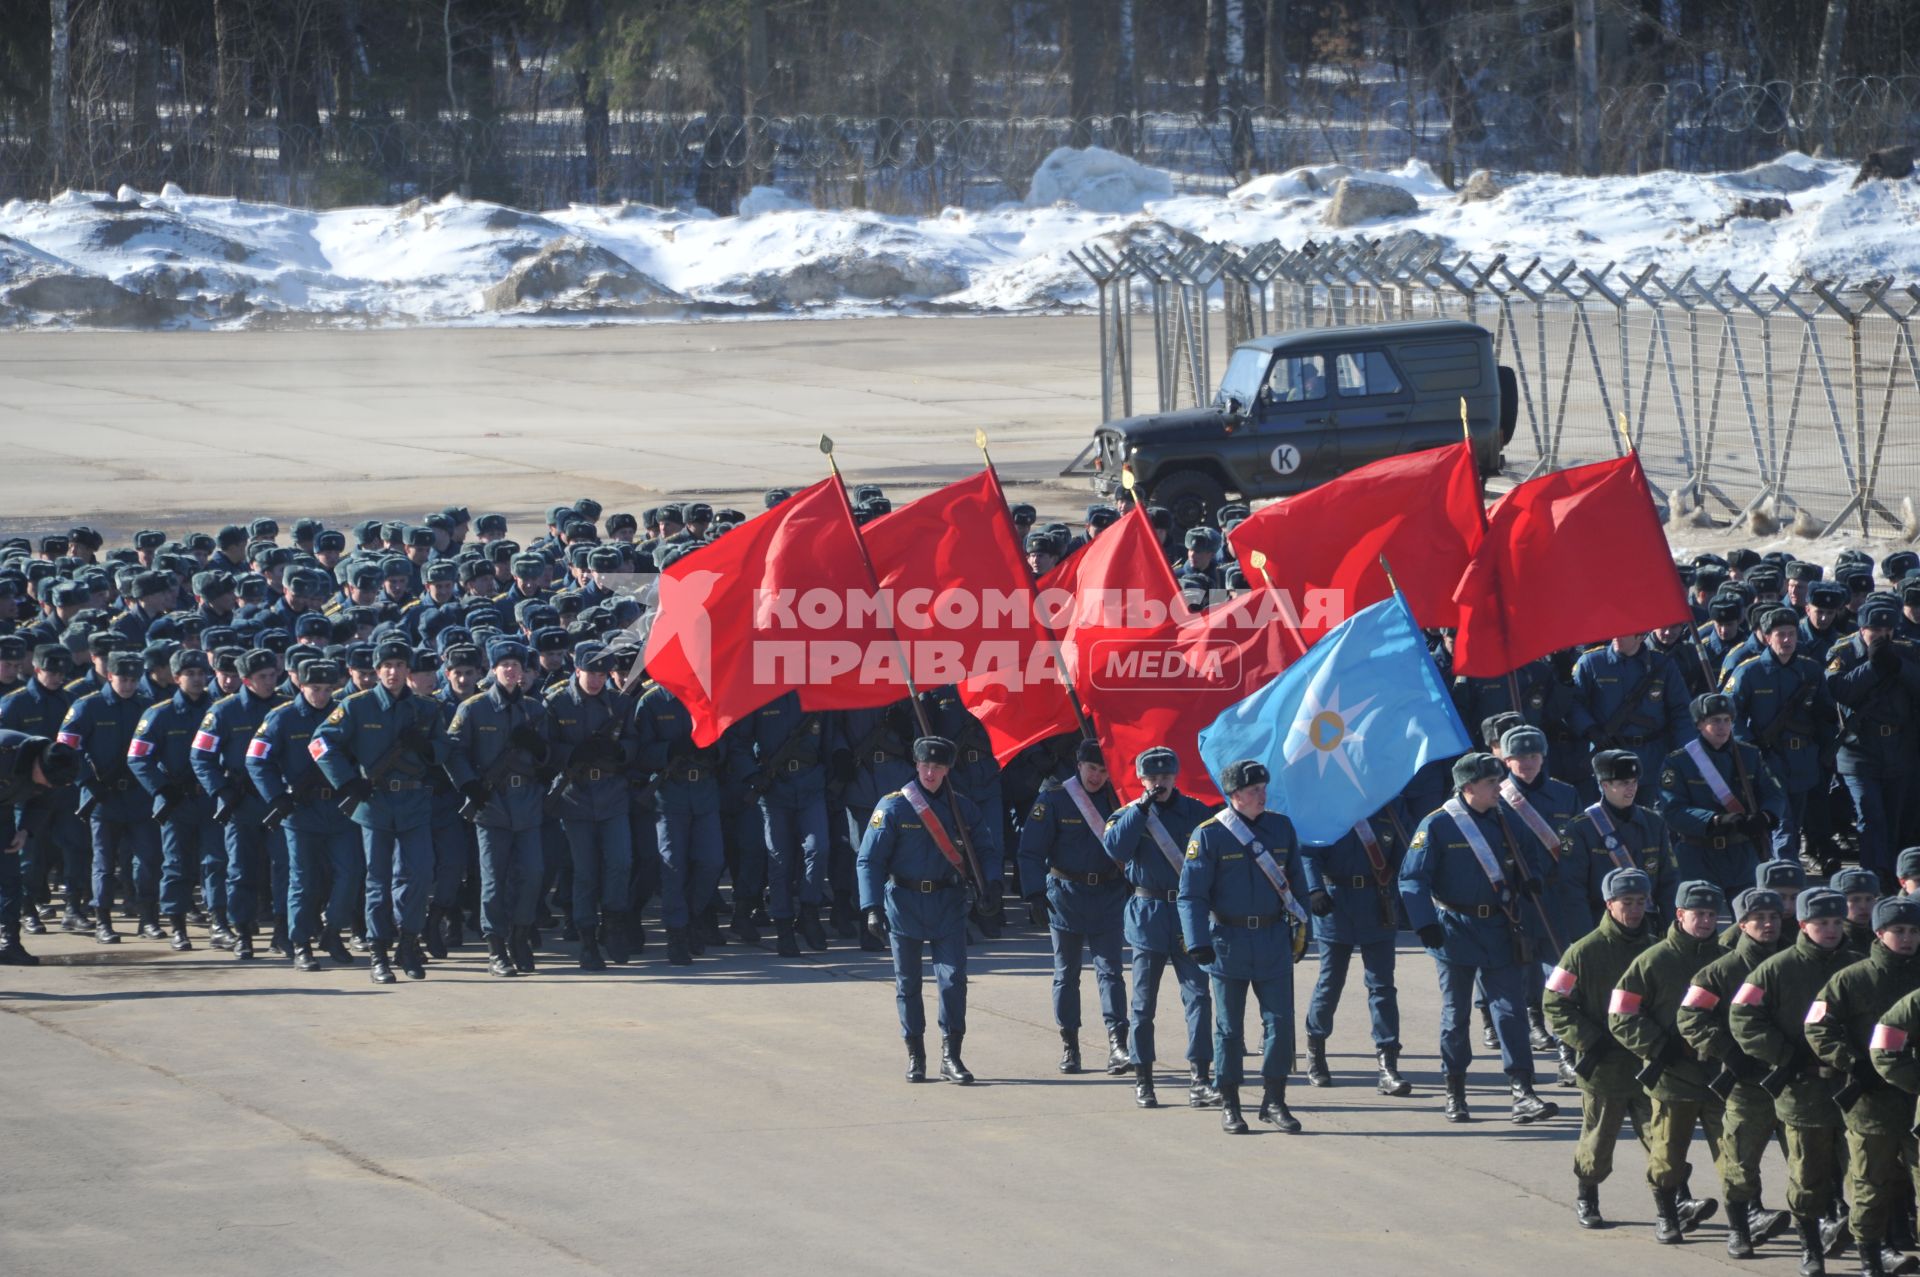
(335, 948)
(1586, 1206)
(1200, 1092)
(520, 949)
(1391, 1083)
(150, 928)
(13, 953)
(177, 937)
(1230, 1119)
(784, 943)
(243, 943)
(103, 932)
(591, 958)
(277, 941)
(408, 958)
(1488, 1038)
(1537, 1035)
(456, 924)
(1274, 1111)
(1529, 1107)
(1564, 1070)
(1069, 1051)
(613, 937)
(1457, 1110)
(1317, 1072)
(1739, 1231)
(498, 963)
(1765, 1224)
(951, 1067)
(382, 971)
(742, 922)
(1872, 1260)
(1813, 1251)
(1143, 1087)
(1119, 1061)
(1666, 1222)
(435, 936)
(696, 940)
(810, 928)
(303, 959)
(917, 1058)
(1694, 1211)
(1835, 1236)
(679, 952)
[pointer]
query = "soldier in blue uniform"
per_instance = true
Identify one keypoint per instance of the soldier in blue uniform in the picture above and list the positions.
(161, 759)
(1148, 837)
(1464, 881)
(38, 709)
(685, 780)
(790, 779)
(1064, 863)
(1875, 680)
(1616, 832)
(1533, 692)
(1720, 800)
(1782, 706)
(499, 759)
(323, 846)
(256, 857)
(1540, 809)
(1627, 696)
(913, 893)
(1353, 894)
(32, 769)
(593, 750)
(976, 774)
(872, 751)
(1824, 623)
(100, 725)
(1237, 913)
(378, 746)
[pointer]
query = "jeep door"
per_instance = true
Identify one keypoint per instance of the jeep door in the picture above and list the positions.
(1292, 445)
(1370, 406)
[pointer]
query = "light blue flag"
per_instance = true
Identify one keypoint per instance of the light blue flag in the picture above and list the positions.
(1344, 728)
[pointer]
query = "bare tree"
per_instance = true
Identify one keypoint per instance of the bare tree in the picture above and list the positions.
(1234, 62)
(1125, 101)
(1826, 69)
(57, 89)
(1586, 86)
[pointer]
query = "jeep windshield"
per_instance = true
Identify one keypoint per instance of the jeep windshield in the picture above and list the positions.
(1241, 382)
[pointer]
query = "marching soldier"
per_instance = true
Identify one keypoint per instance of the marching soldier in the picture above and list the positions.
(1768, 1018)
(593, 750)
(378, 746)
(1578, 992)
(324, 857)
(1237, 912)
(101, 725)
(1541, 808)
(791, 782)
(159, 756)
(1861, 887)
(498, 757)
(31, 769)
(913, 893)
(1627, 696)
(1618, 833)
(38, 709)
(1839, 1028)
(1354, 896)
(1064, 868)
(1147, 837)
(1464, 881)
(256, 857)
(1781, 704)
(1643, 1016)
(1720, 799)
(1875, 679)
(1749, 1121)
(686, 794)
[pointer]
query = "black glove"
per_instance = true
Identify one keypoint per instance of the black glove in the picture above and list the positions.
(418, 737)
(225, 804)
(178, 791)
(1756, 828)
(530, 738)
(476, 792)
(877, 923)
(1726, 820)
(1037, 908)
(1204, 955)
(1530, 887)
(841, 769)
(1773, 821)
(1670, 1050)
(354, 792)
(1884, 658)
(1745, 1067)
(1433, 935)
(1320, 903)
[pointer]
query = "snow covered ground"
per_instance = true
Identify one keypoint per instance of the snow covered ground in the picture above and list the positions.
(177, 260)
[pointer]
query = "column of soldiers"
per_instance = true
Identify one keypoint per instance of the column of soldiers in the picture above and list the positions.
(363, 746)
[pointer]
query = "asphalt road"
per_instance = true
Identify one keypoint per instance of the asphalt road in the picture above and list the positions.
(191, 1114)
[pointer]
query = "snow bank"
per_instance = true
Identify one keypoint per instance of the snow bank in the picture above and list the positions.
(180, 260)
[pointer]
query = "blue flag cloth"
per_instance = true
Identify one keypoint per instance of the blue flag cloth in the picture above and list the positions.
(1345, 727)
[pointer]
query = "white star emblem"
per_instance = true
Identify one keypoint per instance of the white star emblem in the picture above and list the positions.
(1325, 728)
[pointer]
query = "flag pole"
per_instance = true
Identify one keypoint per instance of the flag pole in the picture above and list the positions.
(1059, 655)
(982, 901)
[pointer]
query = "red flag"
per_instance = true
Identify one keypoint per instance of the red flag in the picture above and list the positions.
(1422, 510)
(956, 588)
(1025, 711)
(1540, 580)
(1162, 689)
(755, 613)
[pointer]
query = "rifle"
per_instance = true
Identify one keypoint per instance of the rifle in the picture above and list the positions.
(805, 733)
(1789, 716)
(395, 754)
(1723, 1081)
(295, 796)
(1629, 710)
(1653, 1070)
(1526, 877)
(170, 797)
(605, 734)
(1778, 1077)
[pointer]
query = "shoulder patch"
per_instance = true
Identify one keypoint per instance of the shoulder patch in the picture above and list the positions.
(1039, 810)
(207, 722)
(878, 819)
(1419, 840)
(1669, 777)
(339, 715)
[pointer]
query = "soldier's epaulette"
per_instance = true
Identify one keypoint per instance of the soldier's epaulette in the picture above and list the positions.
(1743, 664)
(477, 696)
(1051, 784)
(221, 701)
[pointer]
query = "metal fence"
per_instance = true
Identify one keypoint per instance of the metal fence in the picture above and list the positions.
(546, 157)
(1799, 399)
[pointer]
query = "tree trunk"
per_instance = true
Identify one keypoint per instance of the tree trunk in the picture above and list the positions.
(1083, 65)
(1216, 57)
(754, 103)
(58, 88)
(1240, 122)
(1586, 80)
(1825, 69)
(1126, 126)
(1275, 62)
